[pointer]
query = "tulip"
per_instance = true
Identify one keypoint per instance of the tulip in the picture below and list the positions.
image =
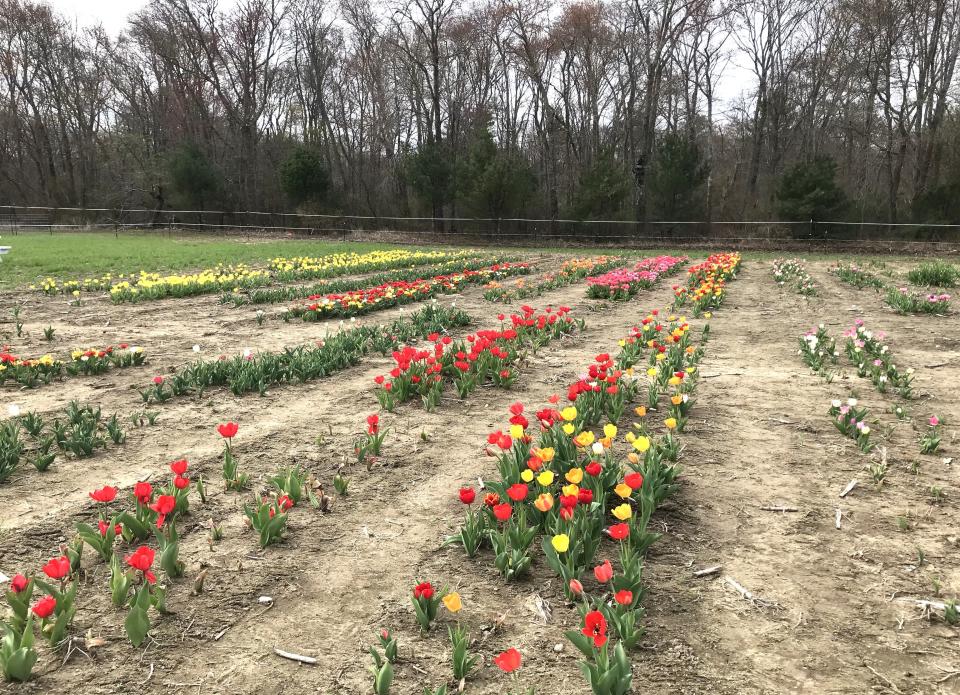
(467, 495)
(560, 542)
(502, 511)
(141, 559)
(517, 492)
(576, 588)
(604, 572)
(545, 478)
(179, 467)
(623, 597)
(634, 480)
(452, 602)
(508, 661)
(228, 430)
(44, 607)
(574, 476)
(143, 492)
(623, 512)
(18, 583)
(623, 490)
(595, 627)
(424, 589)
(544, 502)
(104, 494)
(57, 568)
(619, 532)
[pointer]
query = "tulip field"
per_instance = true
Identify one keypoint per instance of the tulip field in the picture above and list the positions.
(433, 471)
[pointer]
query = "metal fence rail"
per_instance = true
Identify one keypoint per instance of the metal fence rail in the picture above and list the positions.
(507, 231)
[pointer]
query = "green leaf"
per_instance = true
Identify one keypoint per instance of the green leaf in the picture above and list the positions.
(137, 625)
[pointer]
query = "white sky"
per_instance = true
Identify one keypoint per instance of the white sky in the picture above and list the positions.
(113, 15)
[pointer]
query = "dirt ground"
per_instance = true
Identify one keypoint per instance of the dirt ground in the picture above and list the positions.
(826, 616)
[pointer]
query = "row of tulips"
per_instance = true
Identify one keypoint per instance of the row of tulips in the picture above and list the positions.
(256, 372)
(706, 284)
(396, 293)
(145, 523)
(83, 362)
(565, 481)
(487, 356)
(570, 272)
(622, 284)
(286, 293)
(793, 273)
(144, 285)
(874, 360)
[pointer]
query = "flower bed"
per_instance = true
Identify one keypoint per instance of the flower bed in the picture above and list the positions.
(706, 284)
(570, 272)
(363, 301)
(621, 284)
(792, 272)
(903, 301)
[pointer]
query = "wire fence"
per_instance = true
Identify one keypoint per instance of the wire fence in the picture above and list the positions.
(879, 236)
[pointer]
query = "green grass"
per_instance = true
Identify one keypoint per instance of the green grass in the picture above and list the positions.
(35, 256)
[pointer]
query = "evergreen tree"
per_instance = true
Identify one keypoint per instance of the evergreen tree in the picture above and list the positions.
(602, 191)
(193, 178)
(809, 191)
(304, 177)
(675, 183)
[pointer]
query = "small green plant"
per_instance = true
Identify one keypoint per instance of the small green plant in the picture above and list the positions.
(463, 660)
(382, 671)
(903, 523)
(260, 317)
(49, 333)
(934, 274)
(17, 322)
(950, 614)
(936, 493)
(117, 435)
(268, 519)
(340, 484)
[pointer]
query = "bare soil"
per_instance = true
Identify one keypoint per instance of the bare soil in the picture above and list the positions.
(825, 616)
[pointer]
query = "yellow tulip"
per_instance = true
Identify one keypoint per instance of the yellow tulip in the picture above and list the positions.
(623, 512)
(674, 381)
(670, 423)
(623, 490)
(676, 400)
(630, 436)
(545, 454)
(568, 428)
(570, 490)
(452, 602)
(652, 371)
(569, 413)
(527, 475)
(560, 542)
(641, 443)
(641, 411)
(545, 478)
(633, 458)
(584, 438)
(574, 475)
(610, 430)
(516, 431)
(661, 356)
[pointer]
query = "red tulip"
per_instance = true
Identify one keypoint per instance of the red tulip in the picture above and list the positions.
(467, 495)
(284, 502)
(576, 588)
(595, 627)
(44, 607)
(141, 559)
(164, 505)
(424, 589)
(566, 513)
(594, 468)
(104, 494)
(158, 380)
(517, 492)
(585, 496)
(508, 661)
(623, 597)
(491, 499)
(228, 430)
(18, 583)
(502, 511)
(103, 527)
(634, 481)
(179, 467)
(180, 482)
(57, 568)
(143, 492)
(604, 572)
(373, 423)
(619, 532)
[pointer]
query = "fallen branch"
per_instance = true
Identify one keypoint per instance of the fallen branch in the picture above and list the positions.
(708, 571)
(923, 604)
(295, 657)
(890, 683)
(748, 595)
(780, 509)
(849, 488)
(839, 517)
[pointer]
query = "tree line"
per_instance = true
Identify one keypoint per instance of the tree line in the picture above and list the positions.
(590, 109)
